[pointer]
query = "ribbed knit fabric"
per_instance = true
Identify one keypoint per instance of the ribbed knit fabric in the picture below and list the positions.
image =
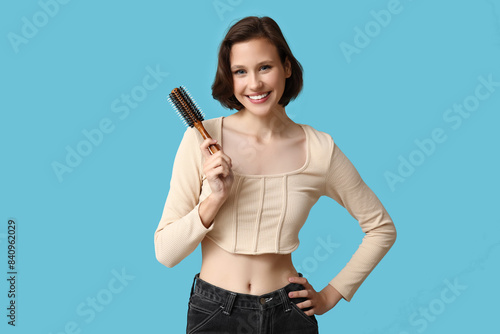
(264, 213)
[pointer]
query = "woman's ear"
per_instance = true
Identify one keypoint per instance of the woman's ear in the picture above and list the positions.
(288, 68)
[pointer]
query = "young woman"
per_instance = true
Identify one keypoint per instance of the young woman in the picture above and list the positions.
(246, 203)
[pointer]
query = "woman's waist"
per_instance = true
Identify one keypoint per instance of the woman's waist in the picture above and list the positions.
(247, 274)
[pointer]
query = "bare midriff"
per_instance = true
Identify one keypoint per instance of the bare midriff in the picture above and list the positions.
(241, 273)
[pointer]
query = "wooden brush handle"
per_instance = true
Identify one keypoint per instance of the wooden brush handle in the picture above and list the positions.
(212, 148)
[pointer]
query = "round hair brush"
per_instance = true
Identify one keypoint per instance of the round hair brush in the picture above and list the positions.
(189, 112)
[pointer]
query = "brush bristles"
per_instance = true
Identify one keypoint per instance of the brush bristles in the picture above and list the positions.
(178, 112)
(192, 103)
(186, 108)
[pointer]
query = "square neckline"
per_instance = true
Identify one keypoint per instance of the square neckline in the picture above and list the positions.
(296, 171)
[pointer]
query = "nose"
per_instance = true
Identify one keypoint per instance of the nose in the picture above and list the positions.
(254, 81)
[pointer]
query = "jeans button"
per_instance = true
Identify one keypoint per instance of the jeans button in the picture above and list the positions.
(263, 300)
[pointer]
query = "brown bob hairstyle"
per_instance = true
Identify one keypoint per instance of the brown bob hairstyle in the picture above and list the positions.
(246, 29)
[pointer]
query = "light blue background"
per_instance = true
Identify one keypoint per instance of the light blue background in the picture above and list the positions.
(73, 234)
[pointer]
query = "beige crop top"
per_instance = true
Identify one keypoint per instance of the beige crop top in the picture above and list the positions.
(264, 213)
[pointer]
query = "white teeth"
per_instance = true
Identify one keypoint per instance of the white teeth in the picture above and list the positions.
(258, 97)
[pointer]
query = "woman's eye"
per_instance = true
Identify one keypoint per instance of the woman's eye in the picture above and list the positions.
(239, 72)
(265, 67)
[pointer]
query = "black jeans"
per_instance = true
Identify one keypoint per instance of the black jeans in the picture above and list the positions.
(218, 311)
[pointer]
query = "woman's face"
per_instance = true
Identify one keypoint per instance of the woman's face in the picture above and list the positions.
(258, 75)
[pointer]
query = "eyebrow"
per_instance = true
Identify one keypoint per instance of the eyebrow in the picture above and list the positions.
(235, 67)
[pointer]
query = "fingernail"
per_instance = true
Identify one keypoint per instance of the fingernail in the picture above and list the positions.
(290, 279)
(290, 295)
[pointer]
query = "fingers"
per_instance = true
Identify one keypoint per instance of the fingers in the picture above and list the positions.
(205, 144)
(217, 170)
(299, 280)
(309, 312)
(299, 294)
(217, 164)
(308, 293)
(306, 304)
(206, 152)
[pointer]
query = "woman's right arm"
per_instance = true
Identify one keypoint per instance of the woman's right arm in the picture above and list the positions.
(185, 222)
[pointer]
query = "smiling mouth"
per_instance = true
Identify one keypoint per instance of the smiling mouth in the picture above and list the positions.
(258, 97)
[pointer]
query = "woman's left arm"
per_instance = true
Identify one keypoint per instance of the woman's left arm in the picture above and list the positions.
(344, 184)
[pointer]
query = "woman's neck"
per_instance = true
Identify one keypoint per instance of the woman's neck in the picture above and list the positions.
(266, 127)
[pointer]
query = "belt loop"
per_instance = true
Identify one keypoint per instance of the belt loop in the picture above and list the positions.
(229, 304)
(286, 303)
(194, 280)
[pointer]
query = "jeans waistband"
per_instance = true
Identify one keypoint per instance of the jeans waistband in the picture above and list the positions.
(232, 299)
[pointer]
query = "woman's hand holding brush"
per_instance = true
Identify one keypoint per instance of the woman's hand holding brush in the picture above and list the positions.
(218, 170)
(217, 165)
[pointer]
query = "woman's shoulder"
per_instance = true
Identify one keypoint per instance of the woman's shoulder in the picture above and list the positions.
(212, 123)
(213, 127)
(318, 136)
